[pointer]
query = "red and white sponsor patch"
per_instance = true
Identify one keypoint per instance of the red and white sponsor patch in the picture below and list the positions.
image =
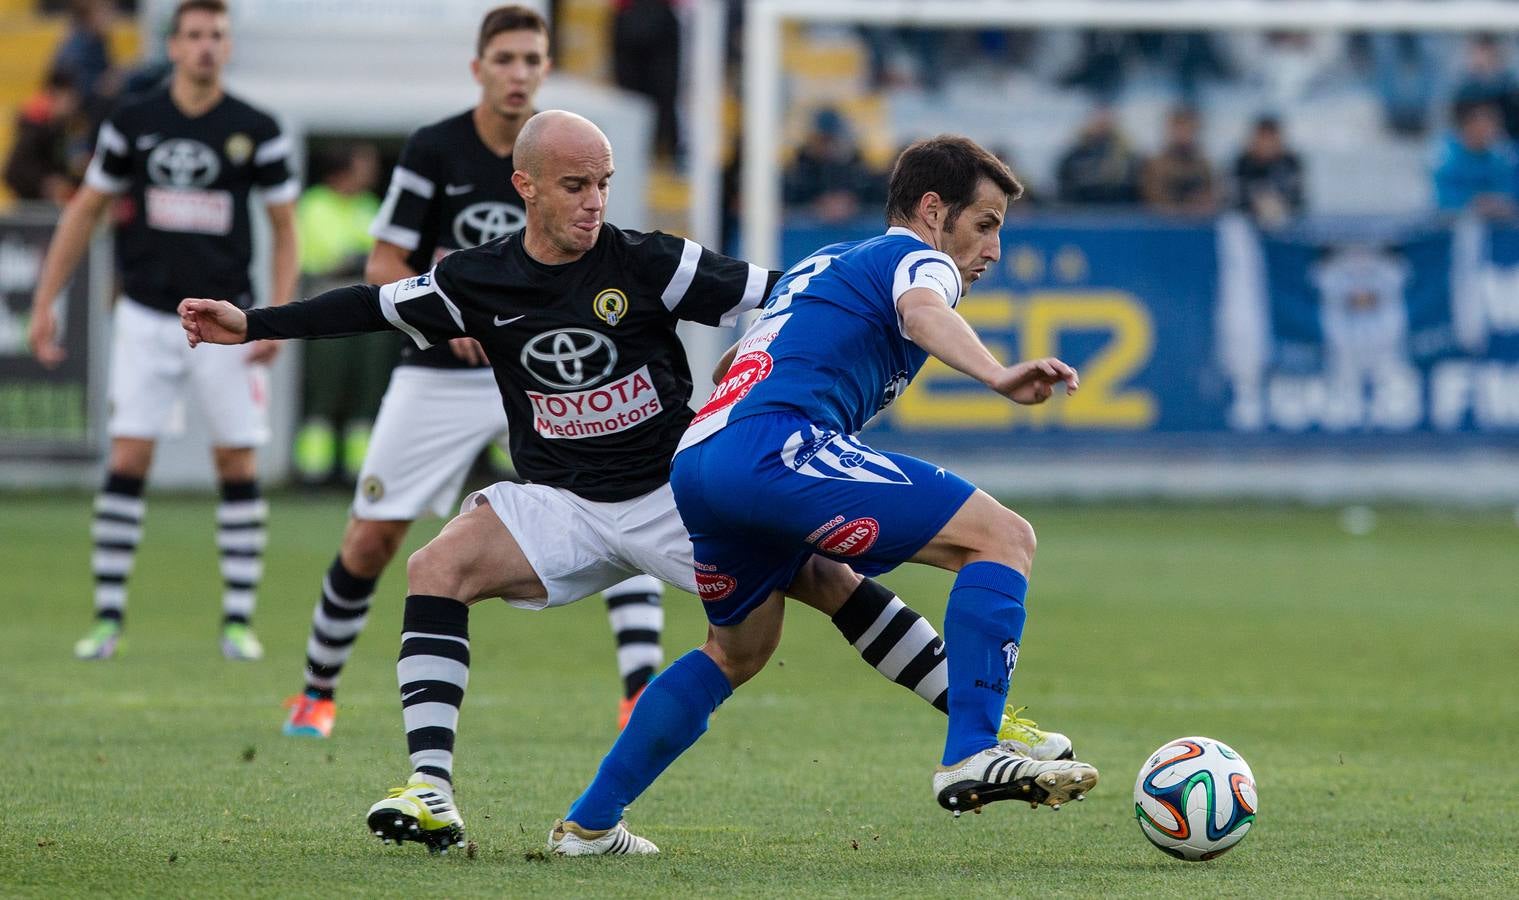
(197, 212)
(851, 538)
(712, 588)
(608, 409)
(746, 371)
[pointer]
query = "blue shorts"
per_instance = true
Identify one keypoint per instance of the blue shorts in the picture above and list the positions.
(769, 491)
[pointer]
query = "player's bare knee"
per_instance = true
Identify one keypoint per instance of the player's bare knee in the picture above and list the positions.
(1006, 538)
(429, 571)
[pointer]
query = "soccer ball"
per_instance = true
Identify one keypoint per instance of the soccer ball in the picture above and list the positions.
(1195, 798)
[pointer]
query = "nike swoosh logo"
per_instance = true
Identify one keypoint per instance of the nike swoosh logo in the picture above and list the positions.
(405, 697)
(454, 190)
(500, 321)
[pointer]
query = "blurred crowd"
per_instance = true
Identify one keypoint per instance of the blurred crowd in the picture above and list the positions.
(1454, 98)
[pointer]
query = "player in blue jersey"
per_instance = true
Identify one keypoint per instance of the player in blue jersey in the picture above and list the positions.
(769, 474)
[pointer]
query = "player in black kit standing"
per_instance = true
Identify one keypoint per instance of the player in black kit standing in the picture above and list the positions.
(578, 320)
(451, 189)
(184, 158)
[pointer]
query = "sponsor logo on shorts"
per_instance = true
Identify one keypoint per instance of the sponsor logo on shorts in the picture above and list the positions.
(851, 538)
(746, 371)
(613, 407)
(712, 588)
(372, 488)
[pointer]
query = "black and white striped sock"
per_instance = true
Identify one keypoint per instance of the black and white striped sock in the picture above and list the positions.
(901, 644)
(240, 536)
(637, 623)
(339, 616)
(433, 672)
(116, 532)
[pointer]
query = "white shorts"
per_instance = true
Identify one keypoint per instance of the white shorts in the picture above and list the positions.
(150, 365)
(432, 424)
(579, 547)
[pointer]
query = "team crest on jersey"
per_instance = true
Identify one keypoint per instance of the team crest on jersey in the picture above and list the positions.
(610, 306)
(372, 488)
(482, 222)
(239, 148)
(183, 164)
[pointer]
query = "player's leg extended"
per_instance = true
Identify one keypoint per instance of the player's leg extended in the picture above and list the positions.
(116, 531)
(241, 534)
(670, 716)
(637, 620)
(475, 556)
(340, 615)
(992, 550)
(430, 428)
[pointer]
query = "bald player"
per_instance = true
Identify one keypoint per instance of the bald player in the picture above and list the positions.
(567, 299)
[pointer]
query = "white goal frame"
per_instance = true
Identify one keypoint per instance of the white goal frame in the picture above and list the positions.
(763, 115)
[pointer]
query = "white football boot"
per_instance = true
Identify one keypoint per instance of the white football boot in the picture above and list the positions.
(1004, 773)
(569, 839)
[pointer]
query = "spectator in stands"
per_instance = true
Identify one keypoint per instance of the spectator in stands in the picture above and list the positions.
(85, 54)
(1179, 179)
(1101, 168)
(1269, 176)
(51, 146)
(1488, 80)
(343, 379)
(829, 177)
(1474, 168)
(1405, 66)
(646, 60)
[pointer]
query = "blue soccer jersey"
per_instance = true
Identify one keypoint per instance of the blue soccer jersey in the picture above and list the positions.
(769, 473)
(829, 343)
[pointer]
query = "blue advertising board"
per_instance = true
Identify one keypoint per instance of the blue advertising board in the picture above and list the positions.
(1213, 335)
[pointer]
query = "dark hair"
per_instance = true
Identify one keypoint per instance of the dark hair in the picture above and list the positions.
(508, 18)
(950, 166)
(214, 7)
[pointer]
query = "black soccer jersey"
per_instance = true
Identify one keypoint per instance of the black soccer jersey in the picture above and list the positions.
(448, 191)
(186, 232)
(593, 377)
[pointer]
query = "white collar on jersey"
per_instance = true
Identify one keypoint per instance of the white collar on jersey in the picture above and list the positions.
(898, 229)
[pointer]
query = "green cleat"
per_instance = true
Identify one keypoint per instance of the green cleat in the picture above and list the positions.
(102, 642)
(240, 643)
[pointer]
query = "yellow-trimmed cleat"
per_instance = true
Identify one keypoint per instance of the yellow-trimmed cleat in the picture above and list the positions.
(310, 716)
(420, 812)
(1026, 737)
(569, 839)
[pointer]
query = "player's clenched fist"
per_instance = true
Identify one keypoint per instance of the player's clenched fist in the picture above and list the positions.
(1034, 381)
(212, 322)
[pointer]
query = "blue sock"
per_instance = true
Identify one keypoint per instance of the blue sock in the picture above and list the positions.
(669, 717)
(982, 628)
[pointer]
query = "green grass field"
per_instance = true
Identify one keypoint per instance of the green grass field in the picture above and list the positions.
(1370, 682)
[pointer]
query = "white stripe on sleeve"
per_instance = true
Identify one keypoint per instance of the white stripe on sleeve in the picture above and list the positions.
(680, 282)
(393, 315)
(754, 294)
(273, 149)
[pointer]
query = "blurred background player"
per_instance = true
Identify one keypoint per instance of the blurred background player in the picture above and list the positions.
(186, 156)
(451, 189)
(341, 381)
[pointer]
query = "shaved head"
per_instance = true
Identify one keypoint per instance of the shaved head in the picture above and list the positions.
(555, 133)
(562, 171)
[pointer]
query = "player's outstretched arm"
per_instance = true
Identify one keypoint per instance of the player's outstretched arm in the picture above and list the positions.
(929, 323)
(212, 322)
(337, 313)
